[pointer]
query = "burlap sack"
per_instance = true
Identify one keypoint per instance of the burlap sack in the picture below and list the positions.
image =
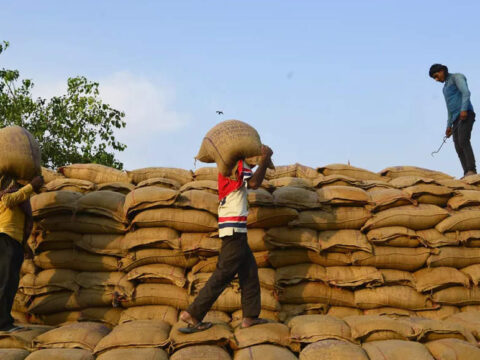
(22, 339)
(283, 171)
(75, 260)
(469, 320)
(266, 217)
(135, 334)
(431, 330)
(403, 182)
(313, 328)
(335, 180)
(103, 244)
(343, 241)
(333, 219)
(460, 221)
(433, 238)
(398, 277)
(209, 264)
(442, 313)
(464, 198)
(206, 185)
(280, 258)
(458, 296)
(106, 315)
(374, 185)
(469, 238)
(147, 198)
(201, 352)
(388, 198)
(165, 313)
(219, 334)
(353, 276)
(396, 350)
(178, 219)
(347, 170)
(28, 267)
(237, 317)
(50, 175)
(115, 281)
(48, 281)
(270, 333)
(20, 151)
(292, 182)
(453, 256)
(120, 187)
(333, 349)
(57, 318)
(75, 185)
(316, 292)
(473, 273)
(179, 175)
(13, 354)
(296, 197)
(200, 244)
(342, 312)
(264, 352)
(397, 236)
(472, 179)
(403, 297)
(388, 257)
(134, 354)
(103, 203)
(365, 328)
(58, 240)
(391, 312)
(84, 335)
(157, 237)
(83, 224)
(397, 171)
(439, 278)
(160, 182)
(430, 194)
(159, 294)
(52, 203)
(153, 256)
(259, 197)
(230, 300)
(284, 237)
(95, 173)
(158, 273)
(256, 239)
(61, 354)
(342, 195)
(206, 173)
(452, 349)
(455, 184)
(294, 274)
(198, 199)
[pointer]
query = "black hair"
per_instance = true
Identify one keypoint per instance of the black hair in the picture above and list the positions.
(436, 68)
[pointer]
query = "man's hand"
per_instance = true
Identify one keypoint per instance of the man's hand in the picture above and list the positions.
(463, 115)
(37, 183)
(448, 132)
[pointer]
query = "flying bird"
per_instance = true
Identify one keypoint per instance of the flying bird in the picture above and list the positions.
(219, 112)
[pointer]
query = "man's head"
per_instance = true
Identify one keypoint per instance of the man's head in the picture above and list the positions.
(438, 72)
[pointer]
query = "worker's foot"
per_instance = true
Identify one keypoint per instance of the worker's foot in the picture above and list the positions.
(193, 325)
(252, 321)
(189, 319)
(470, 172)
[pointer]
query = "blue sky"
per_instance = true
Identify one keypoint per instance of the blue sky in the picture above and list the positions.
(322, 81)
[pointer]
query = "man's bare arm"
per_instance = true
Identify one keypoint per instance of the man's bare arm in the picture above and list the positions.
(256, 180)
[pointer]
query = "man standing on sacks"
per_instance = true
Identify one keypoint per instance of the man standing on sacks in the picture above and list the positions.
(235, 256)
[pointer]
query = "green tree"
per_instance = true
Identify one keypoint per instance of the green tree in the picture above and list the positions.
(73, 128)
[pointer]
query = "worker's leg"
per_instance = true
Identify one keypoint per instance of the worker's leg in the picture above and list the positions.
(464, 136)
(249, 283)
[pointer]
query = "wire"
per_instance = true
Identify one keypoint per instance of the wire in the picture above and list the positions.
(444, 141)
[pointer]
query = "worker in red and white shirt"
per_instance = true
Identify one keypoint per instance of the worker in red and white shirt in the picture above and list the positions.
(235, 256)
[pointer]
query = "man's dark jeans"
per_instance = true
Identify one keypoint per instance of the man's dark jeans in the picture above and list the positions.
(11, 259)
(235, 257)
(462, 130)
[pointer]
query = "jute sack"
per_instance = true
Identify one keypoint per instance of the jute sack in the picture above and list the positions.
(159, 294)
(153, 256)
(343, 241)
(13, 354)
(106, 315)
(237, 317)
(396, 350)
(464, 198)
(472, 179)
(48, 281)
(397, 171)
(83, 224)
(294, 274)
(28, 267)
(200, 244)
(333, 349)
(398, 236)
(296, 197)
(469, 308)
(374, 185)
(288, 311)
(179, 175)
(134, 354)
(266, 217)
(120, 187)
(403, 297)
(269, 333)
(335, 180)
(313, 328)
(442, 313)
(316, 292)
(458, 296)
(103, 203)
(115, 281)
(209, 264)
(95, 173)
(347, 170)
(57, 240)
(365, 328)
(259, 197)
(56, 318)
(434, 238)
(178, 219)
(423, 216)
(21, 154)
(473, 273)
(65, 184)
(103, 244)
(264, 352)
(83, 335)
(469, 238)
(469, 320)
(206, 173)
(455, 184)
(215, 316)
(460, 221)
(201, 352)
(305, 172)
(135, 334)
(230, 300)
(392, 312)
(452, 349)
(206, 185)
(353, 276)
(440, 329)
(165, 313)
(22, 339)
(147, 198)
(439, 278)
(61, 354)
(430, 194)
(97, 297)
(292, 182)
(388, 257)
(51, 203)
(342, 312)
(285, 237)
(158, 237)
(158, 273)
(453, 256)
(50, 175)
(160, 182)
(75, 260)
(198, 199)
(282, 171)
(228, 142)
(333, 219)
(256, 239)
(402, 182)
(342, 195)
(219, 334)
(280, 258)
(388, 198)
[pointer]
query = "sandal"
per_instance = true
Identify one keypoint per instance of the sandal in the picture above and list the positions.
(256, 321)
(191, 329)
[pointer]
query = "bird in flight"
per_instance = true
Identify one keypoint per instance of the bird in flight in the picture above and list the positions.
(219, 112)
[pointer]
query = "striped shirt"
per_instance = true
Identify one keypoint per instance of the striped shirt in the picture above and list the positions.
(233, 208)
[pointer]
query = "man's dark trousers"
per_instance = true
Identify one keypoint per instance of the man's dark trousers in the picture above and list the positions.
(462, 130)
(235, 257)
(11, 259)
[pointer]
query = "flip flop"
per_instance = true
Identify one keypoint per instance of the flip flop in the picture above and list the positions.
(257, 321)
(191, 329)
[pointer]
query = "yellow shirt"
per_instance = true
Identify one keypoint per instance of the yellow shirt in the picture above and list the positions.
(12, 218)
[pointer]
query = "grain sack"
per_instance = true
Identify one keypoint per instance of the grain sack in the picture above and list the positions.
(198, 199)
(147, 198)
(290, 310)
(423, 216)
(458, 296)
(179, 175)
(84, 335)
(452, 349)
(398, 236)
(460, 221)
(153, 256)
(464, 198)
(353, 276)
(282, 171)
(159, 294)
(439, 278)
(20, 151)
(57, 240)
(57, 318)
(439, 329)
(396, 350)
(107, 315)
(158, 237)
(390, 312)
(473, 273)
(84, 224)
(313, 328)
(50, 175)
(469, 320)
(115, 281)
(218, 334)
(20, 302)
(306, 172)
(160, 182)
(280, 258)
(158, 273)
(472, 179)
(95, 173)
(403, 297)
(237, 317)
(256, 239)
(316, 292)
(65, 184)
(201, 244)
(135, 334)
(453, 256)
(333, 349)
(120, 187)
(388, 198)
(342, 312)
(335, 180)
(51, 203)
(342, 195)
(347, 170)
(366, 328)
(295, 197)
(343, 241)
(264, 352)
(397, 171)
(206, 185)
(291, 182)
(433, 238)
(103, 244)
(265, 217)
(103, 203)
(48, 281)
(178, 219)
(201, 352)
(61, 354)
(259, 197)
(388, 257)
(75, 260)
(442, 313)
(210, 264)
(21, 339)
(269, 333)
(228, 142)
(98, 297)
(374, 185)
(294, 274)
(333, 219)
(429, 194)
(408, 181)
(468, 238)
(284, 237)
(230, 300)
(455, 184)
(206, 173)
(150, 312)
(135, 354)
(13, 354)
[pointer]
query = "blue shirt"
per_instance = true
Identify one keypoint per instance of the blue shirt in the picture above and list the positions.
(457, 96)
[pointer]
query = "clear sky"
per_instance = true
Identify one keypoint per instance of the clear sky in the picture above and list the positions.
(322, 81)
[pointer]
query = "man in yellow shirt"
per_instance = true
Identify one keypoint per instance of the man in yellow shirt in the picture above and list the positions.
(15, 227)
